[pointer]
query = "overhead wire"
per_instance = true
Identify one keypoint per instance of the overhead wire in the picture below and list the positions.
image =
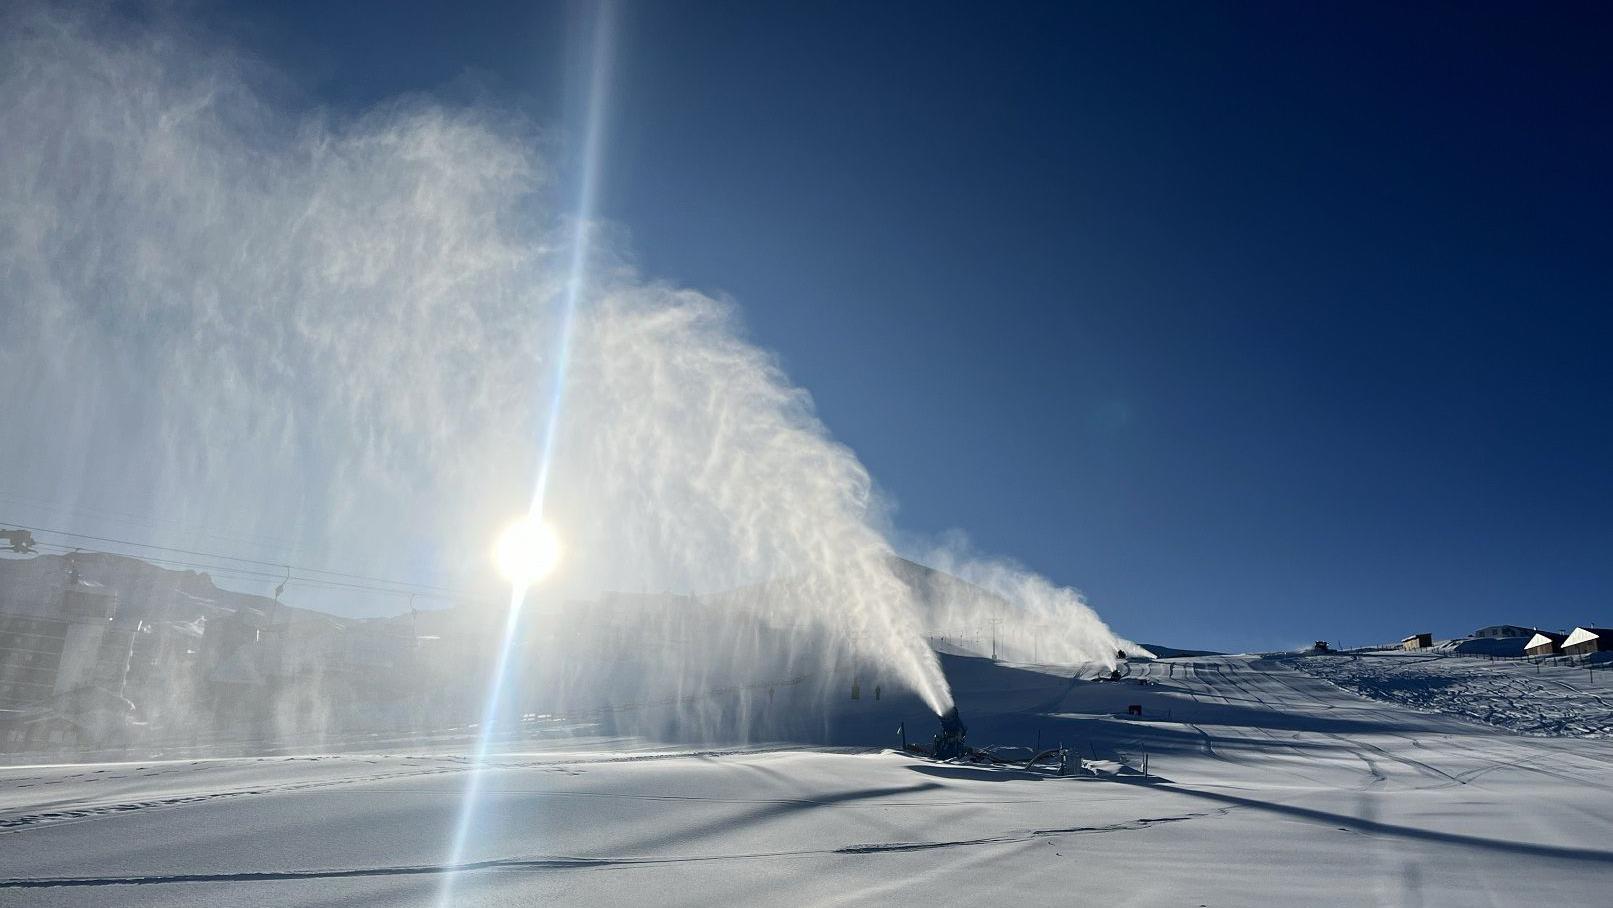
(102, 514)
(277, 565)
(251, 576)
(255, 569)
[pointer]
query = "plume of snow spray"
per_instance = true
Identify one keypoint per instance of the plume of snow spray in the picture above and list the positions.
(1001, 606)
(241, 317)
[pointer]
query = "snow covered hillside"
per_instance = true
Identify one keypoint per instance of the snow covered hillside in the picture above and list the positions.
(1554, 697)
(1268, 786)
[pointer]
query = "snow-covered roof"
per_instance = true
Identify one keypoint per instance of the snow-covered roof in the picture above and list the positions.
(1582, 634)
(1542, 637)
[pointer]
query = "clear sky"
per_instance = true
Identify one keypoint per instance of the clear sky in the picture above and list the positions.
(1258, 323)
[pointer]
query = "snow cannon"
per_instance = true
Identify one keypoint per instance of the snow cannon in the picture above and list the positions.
(949, 743)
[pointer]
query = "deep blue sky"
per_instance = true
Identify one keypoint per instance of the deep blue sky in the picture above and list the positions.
(1258, 323)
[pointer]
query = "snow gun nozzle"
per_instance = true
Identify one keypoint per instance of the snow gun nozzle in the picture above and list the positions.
(949, 744)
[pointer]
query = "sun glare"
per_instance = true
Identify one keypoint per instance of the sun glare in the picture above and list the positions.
(527, 551)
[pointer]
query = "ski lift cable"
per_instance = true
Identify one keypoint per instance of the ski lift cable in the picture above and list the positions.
(80, 509)
(261, 577)
(258, 576)
(278, 566)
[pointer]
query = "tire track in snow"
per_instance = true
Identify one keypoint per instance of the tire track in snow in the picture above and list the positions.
(1214, 689)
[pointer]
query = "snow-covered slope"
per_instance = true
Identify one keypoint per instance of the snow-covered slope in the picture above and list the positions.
(1270, 787)
(1554, 697)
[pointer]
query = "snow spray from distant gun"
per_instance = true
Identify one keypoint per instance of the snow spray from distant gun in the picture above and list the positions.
(1002, 609)
(323, 328)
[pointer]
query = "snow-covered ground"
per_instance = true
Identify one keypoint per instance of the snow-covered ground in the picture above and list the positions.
(1270, 787)
(1553, 697)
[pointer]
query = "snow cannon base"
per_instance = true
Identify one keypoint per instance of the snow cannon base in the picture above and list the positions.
(950, 744)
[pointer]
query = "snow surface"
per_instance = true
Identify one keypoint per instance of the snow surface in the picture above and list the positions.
(1270, 786)
(1559, 697)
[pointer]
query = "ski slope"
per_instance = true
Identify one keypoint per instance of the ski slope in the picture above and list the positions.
(1554, 697)
(1268, 786)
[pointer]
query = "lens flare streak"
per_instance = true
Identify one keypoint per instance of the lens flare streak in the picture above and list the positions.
(575, 287)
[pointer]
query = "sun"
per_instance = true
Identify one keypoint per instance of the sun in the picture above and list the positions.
(527, 551)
